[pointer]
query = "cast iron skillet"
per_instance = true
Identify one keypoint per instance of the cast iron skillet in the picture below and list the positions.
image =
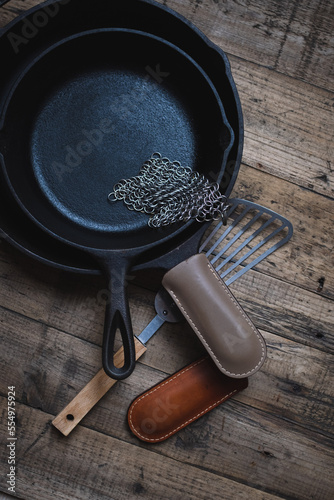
(76, 122)
(51, 21)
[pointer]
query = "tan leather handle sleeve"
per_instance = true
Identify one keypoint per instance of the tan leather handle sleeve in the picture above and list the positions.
(227, 333)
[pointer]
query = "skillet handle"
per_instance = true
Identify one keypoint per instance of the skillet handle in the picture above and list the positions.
(117, 318)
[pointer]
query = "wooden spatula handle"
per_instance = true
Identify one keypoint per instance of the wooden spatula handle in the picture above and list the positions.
(87, 398)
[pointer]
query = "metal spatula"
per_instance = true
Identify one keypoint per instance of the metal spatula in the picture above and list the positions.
(251, 234)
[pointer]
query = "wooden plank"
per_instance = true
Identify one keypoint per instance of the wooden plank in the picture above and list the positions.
(296, 384)
(238, 27)
(4, 496)
(290, 312)
(262, 451)
(288, 457)
(300, 379)
(70, 302)
(308, 43)
(87, 398)
(74, 307)
(294, 38)
(99, 466)
(238, 451)
(288, 127)
(308, 256)
(49, 368)
(13, 8)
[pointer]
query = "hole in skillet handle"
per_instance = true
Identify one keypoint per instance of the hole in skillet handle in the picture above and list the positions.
(117, 318)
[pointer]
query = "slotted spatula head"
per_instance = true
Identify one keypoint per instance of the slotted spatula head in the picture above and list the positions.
(251, 234)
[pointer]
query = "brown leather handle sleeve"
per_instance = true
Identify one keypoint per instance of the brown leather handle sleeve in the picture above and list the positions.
(181, 399)
(227, 333)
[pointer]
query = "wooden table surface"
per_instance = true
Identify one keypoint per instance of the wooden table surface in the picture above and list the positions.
(276, 438)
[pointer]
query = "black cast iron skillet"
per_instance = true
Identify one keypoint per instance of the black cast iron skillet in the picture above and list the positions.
(76, 122)
(51, 21)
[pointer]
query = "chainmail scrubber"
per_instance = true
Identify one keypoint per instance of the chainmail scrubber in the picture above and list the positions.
(170, 193)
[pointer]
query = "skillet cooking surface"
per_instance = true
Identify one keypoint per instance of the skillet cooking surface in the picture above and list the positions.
(87, 121)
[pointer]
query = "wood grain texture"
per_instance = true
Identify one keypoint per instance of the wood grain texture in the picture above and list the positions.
(276, 438)
(293, 38)
(285, 388)
(289, 127)
(94, 467)
(87, 398)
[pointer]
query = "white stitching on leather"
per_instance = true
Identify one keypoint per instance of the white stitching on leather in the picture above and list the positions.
(224, 370)
(185, 423)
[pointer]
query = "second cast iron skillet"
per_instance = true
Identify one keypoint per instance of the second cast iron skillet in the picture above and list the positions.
(87, 112)
(52, 21)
